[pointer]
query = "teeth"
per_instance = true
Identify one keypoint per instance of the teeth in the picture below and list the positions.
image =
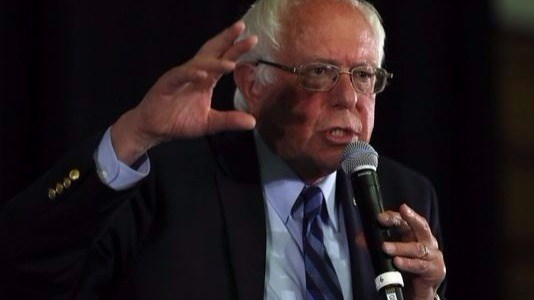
(338, 132)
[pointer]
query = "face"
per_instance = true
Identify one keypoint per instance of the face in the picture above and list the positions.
(309, 130)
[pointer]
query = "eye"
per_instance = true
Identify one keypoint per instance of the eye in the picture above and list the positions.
(318, 70)
(363, 74)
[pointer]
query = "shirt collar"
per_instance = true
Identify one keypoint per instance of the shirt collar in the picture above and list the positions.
(282, 186)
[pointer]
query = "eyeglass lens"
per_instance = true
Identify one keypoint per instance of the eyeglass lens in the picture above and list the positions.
(323, 77)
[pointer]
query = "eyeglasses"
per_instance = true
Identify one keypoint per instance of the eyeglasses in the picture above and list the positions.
(323, 77)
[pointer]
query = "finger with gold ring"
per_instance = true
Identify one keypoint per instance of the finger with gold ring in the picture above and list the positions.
(425, 251)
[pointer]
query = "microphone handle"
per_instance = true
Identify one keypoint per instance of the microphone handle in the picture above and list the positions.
(392, 293)
(367, 193)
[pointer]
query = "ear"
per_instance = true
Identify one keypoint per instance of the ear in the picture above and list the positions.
(245, 80)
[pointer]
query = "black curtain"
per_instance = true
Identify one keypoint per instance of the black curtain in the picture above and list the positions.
(69, 69)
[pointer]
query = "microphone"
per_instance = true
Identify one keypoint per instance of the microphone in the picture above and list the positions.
(360, 161)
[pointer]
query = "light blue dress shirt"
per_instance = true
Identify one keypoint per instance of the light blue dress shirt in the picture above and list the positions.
(112, 171)
(284, 276)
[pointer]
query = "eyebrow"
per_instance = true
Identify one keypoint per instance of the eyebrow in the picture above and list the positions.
(336, 63)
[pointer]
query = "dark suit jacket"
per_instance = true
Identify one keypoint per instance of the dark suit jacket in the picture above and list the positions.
(193, 229)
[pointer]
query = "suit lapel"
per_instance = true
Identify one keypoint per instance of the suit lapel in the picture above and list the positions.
(242, 202)
(361, 267)
(241, 197)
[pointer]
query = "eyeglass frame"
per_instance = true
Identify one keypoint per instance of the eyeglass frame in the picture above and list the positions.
(297, 71)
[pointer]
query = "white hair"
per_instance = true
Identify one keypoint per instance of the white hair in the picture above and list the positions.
(264, 19)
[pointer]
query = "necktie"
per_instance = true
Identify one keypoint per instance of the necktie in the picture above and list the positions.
(321, 279)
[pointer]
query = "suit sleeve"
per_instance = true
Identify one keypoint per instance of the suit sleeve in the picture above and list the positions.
(58, 230)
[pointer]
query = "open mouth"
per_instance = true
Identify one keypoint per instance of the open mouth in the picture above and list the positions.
(341, 136)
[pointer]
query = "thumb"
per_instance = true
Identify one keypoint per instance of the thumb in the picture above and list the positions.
(229, 120)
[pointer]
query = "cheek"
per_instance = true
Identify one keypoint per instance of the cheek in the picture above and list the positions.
(278, 113)
(367, 116)
(287, 118)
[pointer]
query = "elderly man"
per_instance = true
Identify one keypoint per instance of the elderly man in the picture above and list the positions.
(217, 211)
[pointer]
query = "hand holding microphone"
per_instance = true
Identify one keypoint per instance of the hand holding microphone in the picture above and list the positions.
(417, 253)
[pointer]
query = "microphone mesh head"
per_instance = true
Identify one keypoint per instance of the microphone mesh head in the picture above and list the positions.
(358, 155)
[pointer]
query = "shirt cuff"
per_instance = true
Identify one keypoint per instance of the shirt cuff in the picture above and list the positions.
(115, 173)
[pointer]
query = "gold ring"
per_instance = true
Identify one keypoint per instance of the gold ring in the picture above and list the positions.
(425, 251)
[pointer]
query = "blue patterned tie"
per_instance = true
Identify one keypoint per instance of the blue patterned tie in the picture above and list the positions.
(321, 279)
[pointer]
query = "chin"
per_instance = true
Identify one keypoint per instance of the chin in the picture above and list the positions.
(330, 165)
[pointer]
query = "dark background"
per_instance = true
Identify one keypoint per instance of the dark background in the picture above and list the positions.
(68, 69)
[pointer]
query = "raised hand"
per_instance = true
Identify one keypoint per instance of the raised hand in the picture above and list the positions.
(179, 104)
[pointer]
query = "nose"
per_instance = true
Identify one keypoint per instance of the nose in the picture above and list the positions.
(344, 94)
